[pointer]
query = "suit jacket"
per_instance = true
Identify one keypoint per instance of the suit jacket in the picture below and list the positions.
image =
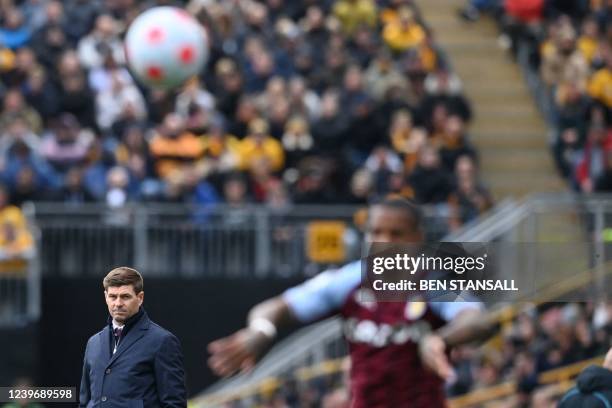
(145, 371)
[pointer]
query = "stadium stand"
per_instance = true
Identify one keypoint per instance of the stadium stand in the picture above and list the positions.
(568, 45)
(309, 103)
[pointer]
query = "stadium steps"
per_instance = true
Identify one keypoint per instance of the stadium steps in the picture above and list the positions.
(507, 127)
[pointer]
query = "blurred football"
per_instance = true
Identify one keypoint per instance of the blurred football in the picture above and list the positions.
(165, 46)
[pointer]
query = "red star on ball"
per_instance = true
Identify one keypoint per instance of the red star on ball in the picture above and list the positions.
(155, 73)
(155, 35)
(186, 54)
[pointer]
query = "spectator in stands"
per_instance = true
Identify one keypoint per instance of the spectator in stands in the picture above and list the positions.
(193, 95)
(331, 130)
(604, 181)
(120, 100)
(593, 389)
(117, 187)
(41, 93)
(173, 148)
(14, 105)
(403, 33)
(455, 143)
(50, 43)
(101, 78)
(25, 62)
(470, 197)
(246, 111)
(261, 180)
(16, 130)
(303, 101)
(430, 182)
(588, 42)
(591, 163)
(67, 144)
(297, 141)
(81, 14)
(73, 190)
(75, 95)
(364, 131)
(221, 149)
(103, 39)
(382, 75)
(406, 139)
(354, 13)
(235, 190)
(445, 88)
(227, 87)
(16, 242)
(564, 62)
(259, 144)
(567, 148)
(361, 188)
(600, 85)
(14, 32)
(382, 164)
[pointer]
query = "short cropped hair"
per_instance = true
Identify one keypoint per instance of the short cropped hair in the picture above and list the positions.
(408, 207)
(122, 276)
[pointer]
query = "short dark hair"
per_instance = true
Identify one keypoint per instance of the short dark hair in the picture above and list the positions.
(399, 203)
(122, 276)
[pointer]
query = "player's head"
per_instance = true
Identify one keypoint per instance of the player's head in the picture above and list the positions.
(394, 220)
(123, 292)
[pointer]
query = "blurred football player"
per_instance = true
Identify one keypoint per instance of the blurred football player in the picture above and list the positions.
(397, 349)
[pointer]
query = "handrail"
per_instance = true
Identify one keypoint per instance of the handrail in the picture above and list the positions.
(473, 227)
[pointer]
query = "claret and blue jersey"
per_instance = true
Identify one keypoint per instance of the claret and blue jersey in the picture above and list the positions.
(383, 337)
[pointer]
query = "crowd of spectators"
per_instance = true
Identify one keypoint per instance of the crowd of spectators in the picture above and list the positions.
(336, 101)
(570, 44)
(536, 340)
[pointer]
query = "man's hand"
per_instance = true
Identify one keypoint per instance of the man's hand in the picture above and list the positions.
(237, 352)
(432, 352)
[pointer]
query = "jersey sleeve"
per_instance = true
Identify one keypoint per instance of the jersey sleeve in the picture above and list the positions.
(324, 294)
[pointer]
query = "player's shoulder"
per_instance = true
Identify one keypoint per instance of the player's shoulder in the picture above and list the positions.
(346, 276)
(349, 271)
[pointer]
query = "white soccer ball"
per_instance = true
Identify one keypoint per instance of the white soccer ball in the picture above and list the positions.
(165, 46)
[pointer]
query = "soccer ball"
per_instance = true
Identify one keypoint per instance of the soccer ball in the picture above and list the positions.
(165, 46)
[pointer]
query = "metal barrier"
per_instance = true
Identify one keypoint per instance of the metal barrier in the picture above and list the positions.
(187, 241)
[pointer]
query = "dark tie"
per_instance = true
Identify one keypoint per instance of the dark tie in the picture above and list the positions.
(118, 331)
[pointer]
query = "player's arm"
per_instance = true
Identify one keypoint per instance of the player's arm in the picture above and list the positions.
(467, 322)
(240, 351)
(312, 300)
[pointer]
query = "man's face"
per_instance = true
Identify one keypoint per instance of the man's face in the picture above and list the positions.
(123, 302)
(391, 225)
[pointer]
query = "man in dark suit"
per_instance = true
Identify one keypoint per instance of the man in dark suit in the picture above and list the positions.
(132, 362)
